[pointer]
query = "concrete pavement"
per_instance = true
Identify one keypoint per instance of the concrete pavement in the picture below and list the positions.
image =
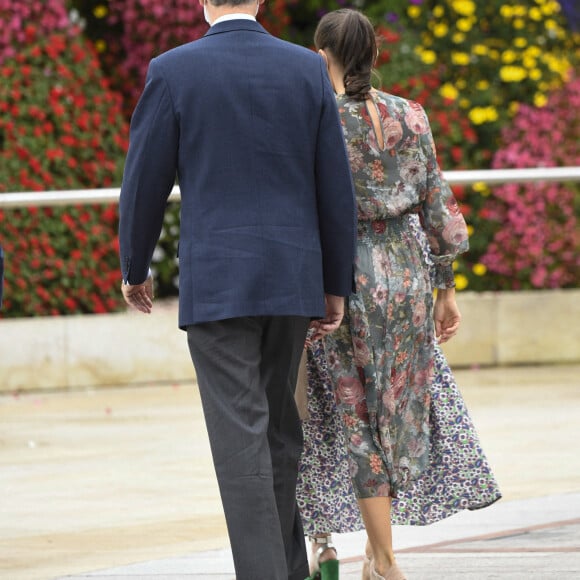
(118, 483)
(532, 539)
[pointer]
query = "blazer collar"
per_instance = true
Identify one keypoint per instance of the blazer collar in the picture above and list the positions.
(238, 24)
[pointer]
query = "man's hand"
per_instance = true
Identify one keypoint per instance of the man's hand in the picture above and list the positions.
(139, 296)
(333, 318)
(446, 315)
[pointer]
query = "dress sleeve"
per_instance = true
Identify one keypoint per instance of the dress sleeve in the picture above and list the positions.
(441, 217)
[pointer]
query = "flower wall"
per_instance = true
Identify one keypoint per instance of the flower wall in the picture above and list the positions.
(537, 242)
(61, 127)
(495, 77)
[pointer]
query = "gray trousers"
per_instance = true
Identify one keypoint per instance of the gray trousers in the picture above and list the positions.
(246, 371)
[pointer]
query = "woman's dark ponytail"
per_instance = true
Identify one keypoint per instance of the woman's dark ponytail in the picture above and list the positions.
(349, 36)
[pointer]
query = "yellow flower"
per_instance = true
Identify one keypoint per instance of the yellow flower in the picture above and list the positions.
(540, 100)
(550, 24)
(428, 56)
(100, 11)
(448, 91)
(513, 108)
(100, 45)
(455, 265)
(529, 62)
(494, 54)
(520, 42)
(556, 65)
(508, 56)
(440, 30)
(480, 49)
(550, 8)
(460, 58)
(492, 114)
(519, 11)
(470, 230)
(461, 282)
(479, 186)
(438, 11)
(461, 84)
(533, 51)
(458, 37)
(535, 74)
(479, 269)
(535, 14)
(463, 7)
(477, 115)
(519, 23)
(464, 24)
(464, 103)
(482, 85)
(480, 115)
(512, 74)
(414, 11)
(506, 11)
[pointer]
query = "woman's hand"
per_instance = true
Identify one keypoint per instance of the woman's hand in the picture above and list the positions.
(333, 318)
(446, 315)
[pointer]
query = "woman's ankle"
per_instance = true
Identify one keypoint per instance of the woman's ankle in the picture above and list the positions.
(384, 562)
(322, 547)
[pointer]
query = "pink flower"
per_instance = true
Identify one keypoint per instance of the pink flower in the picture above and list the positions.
(393, 132)
(349, 390)
(416, 119)
(455, 231)
(399, 381)
(413, 172)
(419, 313)
(362, 355)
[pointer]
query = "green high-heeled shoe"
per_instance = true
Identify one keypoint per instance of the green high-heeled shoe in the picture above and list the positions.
(327, 570)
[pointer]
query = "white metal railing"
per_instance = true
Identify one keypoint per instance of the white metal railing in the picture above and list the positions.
(467, 177)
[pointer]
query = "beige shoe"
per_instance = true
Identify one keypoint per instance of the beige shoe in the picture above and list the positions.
(366, 571)
(393, 573)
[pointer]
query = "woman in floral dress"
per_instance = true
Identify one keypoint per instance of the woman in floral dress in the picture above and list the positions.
(458, 476)
(381, 360)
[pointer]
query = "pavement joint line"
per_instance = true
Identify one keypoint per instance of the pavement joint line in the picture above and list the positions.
(496, 536)
(543, 550)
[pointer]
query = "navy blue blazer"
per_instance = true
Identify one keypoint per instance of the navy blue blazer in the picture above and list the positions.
(248, 123)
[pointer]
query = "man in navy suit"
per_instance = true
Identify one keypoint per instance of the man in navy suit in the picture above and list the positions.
(249, 125)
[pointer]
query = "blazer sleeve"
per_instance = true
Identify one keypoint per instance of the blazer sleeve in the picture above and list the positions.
(149, 176)
(336, 198)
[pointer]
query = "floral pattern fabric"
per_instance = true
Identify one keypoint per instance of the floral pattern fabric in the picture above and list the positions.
(381, 358)
(458, 476)
(404, 176)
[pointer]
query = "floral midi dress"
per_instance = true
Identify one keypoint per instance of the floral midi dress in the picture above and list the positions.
(381, 358)
(458, 476)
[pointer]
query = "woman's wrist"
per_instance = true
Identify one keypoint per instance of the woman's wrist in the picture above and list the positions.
(445, 293)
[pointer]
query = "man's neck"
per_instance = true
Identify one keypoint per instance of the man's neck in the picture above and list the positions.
(216, 12)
